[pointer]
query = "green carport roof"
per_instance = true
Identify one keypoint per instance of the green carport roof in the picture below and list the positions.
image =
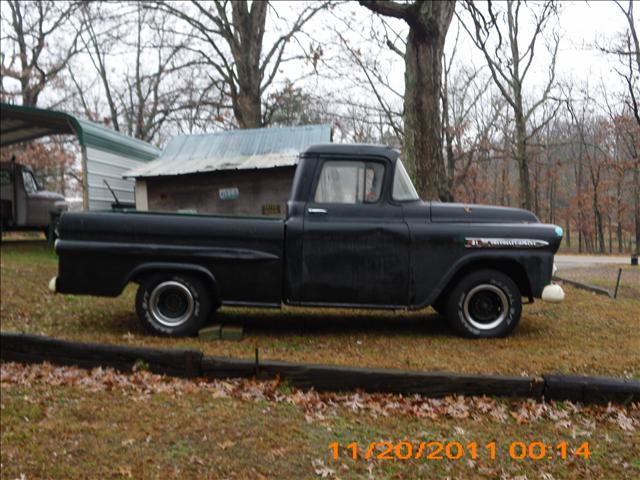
(21, 124)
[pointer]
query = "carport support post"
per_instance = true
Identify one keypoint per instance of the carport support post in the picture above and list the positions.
(85, 179)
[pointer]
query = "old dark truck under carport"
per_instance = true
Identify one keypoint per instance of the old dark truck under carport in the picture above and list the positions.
(356, 235)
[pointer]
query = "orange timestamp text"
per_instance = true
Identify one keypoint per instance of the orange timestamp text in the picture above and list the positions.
(454, 450)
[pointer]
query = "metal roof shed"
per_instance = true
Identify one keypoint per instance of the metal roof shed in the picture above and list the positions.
(106, 154)
(256, 148)
(236, 172)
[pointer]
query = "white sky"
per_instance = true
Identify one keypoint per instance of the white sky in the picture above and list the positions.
(581, 25)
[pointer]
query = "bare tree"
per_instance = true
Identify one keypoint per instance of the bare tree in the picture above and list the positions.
(97, 45)
(229, 37)
(428, 23)
(41, 44)
(628, 51)
(144, 95)
(290, 106)
(509, 64)
(374, 75)
(469, 115)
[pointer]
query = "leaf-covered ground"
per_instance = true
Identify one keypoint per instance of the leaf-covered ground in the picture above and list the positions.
(63, 422)
(587, 334)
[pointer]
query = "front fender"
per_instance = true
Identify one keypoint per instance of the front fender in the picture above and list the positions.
(530, 270)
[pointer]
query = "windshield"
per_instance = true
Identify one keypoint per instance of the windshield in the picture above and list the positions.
(403, 189)
(30, 184)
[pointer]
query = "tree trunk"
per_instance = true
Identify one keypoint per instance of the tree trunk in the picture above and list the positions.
(636, 204)
(518, 112)
(249, 23)
(610, 235)
(428, 25)
(598, 224)
(247, 108)
(521, 158)
(619, 213)
(423, 138)
(451, 163)
(536, 189)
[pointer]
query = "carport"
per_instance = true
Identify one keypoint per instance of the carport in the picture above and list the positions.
(106, 154)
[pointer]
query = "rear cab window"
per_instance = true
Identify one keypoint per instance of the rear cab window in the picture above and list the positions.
(349, 182)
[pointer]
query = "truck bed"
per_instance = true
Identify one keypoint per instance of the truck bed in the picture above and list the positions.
(243, 254)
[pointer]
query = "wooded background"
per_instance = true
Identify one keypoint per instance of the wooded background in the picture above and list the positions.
(505, 128)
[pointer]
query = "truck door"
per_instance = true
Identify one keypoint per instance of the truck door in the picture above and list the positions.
(355, 243)
(6, 194)
(37, 204)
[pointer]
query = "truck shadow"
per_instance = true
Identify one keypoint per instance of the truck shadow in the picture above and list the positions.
(303, 323)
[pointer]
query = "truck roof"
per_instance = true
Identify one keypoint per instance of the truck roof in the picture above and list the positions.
(7, 165)
(351, 149)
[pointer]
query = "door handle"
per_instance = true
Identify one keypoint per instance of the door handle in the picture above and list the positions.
(317, 211)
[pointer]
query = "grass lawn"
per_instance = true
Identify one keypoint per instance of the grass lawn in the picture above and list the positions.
(70, 423)
(587, 334)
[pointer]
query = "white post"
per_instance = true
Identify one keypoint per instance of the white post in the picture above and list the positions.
(142, 201)
(85, 179)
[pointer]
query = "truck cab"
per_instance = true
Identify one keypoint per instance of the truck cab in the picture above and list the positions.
(25, 204)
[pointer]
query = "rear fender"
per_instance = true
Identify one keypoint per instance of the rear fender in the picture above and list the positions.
(167, 267)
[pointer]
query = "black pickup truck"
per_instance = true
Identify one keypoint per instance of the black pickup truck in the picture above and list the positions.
(356, 235)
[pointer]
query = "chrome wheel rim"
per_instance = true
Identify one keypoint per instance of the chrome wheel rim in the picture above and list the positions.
(485, 306)
(171, 303)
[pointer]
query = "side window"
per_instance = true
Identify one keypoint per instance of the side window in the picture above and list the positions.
(30, 185)
(349, 182)
(403, 188)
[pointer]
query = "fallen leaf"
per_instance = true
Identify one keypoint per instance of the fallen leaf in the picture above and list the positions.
(226, 444)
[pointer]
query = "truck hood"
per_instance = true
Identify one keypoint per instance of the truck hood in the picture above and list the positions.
(46, 195)
(469, 213)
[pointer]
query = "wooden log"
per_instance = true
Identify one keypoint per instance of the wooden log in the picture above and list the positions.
(591, 389)
(584, 286)
(33, 348)
(222, 367)
(338, 378)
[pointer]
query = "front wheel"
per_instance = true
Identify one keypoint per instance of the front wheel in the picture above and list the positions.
(485, 304)
(172, 304)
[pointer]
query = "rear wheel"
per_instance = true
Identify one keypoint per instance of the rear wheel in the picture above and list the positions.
(172, 304)
(485, 304)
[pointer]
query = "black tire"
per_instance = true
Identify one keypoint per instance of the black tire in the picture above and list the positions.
(440, 306)
(173, 304)
(485, 304)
